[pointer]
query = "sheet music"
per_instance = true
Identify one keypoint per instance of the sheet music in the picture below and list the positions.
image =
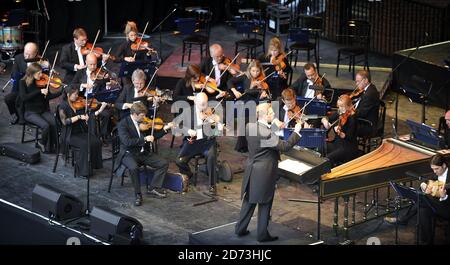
(294, 166)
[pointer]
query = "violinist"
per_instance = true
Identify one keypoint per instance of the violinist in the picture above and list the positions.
(344, 147)
(198, 141)
(305, 84)
(134, 93)
(134, 154)
(90, 81)
(21, 62)
(185, 88)
(253, 84)
(72, 58)
(276, 61)
(447, 129)
(75, 133)
(290, 111)
(213, 68)
(367, 103)
(127, 50)
(35, 102)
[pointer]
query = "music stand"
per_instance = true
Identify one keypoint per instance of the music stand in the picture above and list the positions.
(127, 68)
(418, 91)
(417, 197)
(316, 107)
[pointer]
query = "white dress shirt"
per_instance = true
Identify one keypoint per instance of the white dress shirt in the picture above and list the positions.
(216, 72)
(359, 99)
(80, 57)
(136, 125)
(89, 82)
(199, 123)
(309, 92)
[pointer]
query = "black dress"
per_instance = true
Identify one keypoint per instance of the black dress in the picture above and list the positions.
(342, 150)
(37, 111)
(76, 134)
(276, 83)
(182, 92)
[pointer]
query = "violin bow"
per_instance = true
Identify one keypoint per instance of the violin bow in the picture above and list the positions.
(140, 41)
(51, 71)
(151, 80)
(206, 81)
(45, 49)
(228, 66)
(95, 41)
(302, 110)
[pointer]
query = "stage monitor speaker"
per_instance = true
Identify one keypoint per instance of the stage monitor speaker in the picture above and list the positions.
(55, 204)
(115, 227)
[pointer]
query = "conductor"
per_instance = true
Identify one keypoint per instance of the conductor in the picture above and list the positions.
(260, 177)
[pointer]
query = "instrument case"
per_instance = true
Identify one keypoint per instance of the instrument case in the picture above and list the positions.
(21, 152)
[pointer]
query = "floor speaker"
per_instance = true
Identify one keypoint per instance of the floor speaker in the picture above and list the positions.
(115, 227)
(55, 204)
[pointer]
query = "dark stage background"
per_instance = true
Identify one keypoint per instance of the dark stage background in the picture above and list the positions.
(65, 15)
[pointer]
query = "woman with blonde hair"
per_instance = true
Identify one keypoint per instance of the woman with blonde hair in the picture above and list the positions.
(275, 60)
(35, 102)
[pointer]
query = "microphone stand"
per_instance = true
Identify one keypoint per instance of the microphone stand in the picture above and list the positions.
(160, 32)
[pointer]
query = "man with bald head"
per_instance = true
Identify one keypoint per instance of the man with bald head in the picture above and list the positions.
(214, 62)
(21, 62)
(84, 79)
(447, 129)
(198, 141)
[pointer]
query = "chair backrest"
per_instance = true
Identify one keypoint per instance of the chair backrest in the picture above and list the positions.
(58, 122)
(357, 33)
(381, 119)
(115, 142)
(442, 125)
(298, 35)
(186, 25)
(251, 27)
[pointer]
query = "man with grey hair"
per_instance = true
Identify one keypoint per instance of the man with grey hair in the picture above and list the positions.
(133, 93)
(260, 177)
(21, 62)
(213, 68)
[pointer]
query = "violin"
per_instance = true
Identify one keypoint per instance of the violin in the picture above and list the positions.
(148, 123)
(343, 118)
(295, 114)
(80, 103)
(278, 62)
(357, 93)
(98, 51)
(140, 45)
(210, 86)
(55, 82)
(99, 74)
(231, 66)
(262, 84)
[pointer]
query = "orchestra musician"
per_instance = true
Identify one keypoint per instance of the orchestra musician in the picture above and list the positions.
(134, 93)
(276, 61)
(260, 177)
(198, 141)
(185, 88)
(35, 101)
(213, 68)
(304, 85)
(290, 111)
(89, 82)
(75, 132)
(125, 51)
(439, 202)
(72, 58)
(254, 89)
(367, 103)
(133, 153)
(344, 147)
(21, 62)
